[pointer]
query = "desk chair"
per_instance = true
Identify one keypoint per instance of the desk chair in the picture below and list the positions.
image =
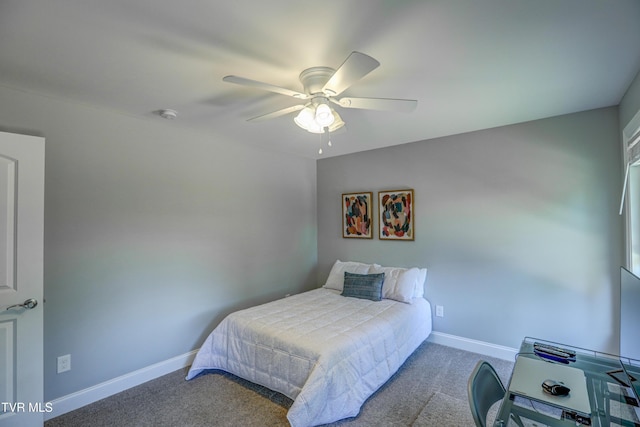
(484, 389)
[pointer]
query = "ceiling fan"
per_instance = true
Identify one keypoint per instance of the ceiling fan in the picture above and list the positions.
(322, 86)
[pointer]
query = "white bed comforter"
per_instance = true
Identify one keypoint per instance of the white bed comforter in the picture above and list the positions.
(327, 352)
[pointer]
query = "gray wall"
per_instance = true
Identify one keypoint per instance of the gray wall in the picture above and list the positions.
(515, 224)
(153, 233)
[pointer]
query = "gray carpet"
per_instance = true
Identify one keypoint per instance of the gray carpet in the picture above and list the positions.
(430, 389)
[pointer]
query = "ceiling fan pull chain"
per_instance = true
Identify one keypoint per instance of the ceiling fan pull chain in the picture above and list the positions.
(322, 138)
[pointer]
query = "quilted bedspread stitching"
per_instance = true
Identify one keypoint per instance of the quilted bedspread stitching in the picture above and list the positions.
(327, 352)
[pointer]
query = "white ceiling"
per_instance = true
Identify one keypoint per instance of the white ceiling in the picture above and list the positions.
(470, 64)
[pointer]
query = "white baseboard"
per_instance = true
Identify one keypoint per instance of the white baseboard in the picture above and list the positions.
(100, 391)
(97, 392)
(481, 347)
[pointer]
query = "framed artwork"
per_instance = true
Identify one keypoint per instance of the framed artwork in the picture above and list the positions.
(356, 215)
(395, 214)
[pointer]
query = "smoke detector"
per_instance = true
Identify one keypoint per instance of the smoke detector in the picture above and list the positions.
(168, 114)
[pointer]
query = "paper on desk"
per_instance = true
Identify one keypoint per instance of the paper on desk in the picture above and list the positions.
(537, 406)
(526, 422)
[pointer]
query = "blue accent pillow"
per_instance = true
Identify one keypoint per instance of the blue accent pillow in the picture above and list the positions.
(364, 286)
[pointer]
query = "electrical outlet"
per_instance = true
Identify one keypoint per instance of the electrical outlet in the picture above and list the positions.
(439, 311)
(64, 363)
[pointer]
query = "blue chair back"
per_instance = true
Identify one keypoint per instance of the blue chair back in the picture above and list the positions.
(484, 389)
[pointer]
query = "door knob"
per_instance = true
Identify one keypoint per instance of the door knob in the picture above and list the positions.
(28, 304)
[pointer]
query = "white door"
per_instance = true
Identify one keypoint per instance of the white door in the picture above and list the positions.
(21, 265)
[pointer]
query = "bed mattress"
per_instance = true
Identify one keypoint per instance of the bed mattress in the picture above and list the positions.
(327, 352)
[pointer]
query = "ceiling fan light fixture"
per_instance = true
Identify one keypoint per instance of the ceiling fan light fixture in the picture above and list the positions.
(314, 127)
(337, 122)
(324, 115)
(305, 118)
(316, 119)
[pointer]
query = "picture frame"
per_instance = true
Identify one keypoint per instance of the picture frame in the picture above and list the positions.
(396, 215)
(357, 215)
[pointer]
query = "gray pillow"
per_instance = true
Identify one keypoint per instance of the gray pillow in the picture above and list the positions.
(364, 286)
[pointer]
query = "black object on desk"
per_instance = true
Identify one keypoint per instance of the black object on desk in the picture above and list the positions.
(553, 353)
(555, 388)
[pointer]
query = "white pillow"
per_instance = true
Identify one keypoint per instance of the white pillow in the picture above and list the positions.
(336, 276)
(399, 283)
(422, 279)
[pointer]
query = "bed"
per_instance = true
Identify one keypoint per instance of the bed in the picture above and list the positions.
(326, 349)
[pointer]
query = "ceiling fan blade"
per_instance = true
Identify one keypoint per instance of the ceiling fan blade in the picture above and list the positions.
(275, 114)
(264, 86)
(355, 67)
(382, 104)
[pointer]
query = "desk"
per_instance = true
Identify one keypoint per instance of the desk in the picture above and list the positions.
(612, 404)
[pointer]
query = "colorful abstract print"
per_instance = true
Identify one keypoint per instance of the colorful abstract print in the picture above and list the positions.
(357, 216)
(395, 215)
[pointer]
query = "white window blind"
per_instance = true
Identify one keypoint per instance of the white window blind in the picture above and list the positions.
(631, 141)
(633, 150)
